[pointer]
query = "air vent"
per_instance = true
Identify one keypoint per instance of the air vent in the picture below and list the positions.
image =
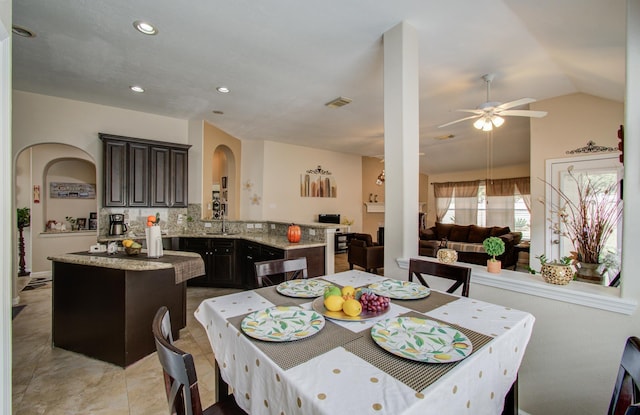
(338, 102)
(444, 137)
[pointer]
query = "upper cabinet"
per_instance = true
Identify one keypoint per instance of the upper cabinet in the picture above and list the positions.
(144, 173)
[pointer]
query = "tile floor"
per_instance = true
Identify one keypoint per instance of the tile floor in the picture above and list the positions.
(53, 381)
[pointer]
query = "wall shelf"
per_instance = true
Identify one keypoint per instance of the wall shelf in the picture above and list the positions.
(375, 207)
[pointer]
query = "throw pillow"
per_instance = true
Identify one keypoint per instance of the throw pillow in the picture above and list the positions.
(498, 231)
(459, 233)
(443, 230)
(477, 234)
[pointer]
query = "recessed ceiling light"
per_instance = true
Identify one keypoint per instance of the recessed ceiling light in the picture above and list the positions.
(145, 27)
(217, 112)
(223, 89)
(136, 88)
(21, 31)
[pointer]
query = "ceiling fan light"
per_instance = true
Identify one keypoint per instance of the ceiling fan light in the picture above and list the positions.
(487, 126)
(479, 123)
(497, 120)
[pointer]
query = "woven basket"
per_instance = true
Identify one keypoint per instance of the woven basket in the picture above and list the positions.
(132, 251)
(558, 274)
(447, 256)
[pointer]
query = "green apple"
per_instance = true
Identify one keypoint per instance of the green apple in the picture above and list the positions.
(332, 290)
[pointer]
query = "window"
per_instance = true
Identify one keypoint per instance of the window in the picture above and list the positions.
(512, 211)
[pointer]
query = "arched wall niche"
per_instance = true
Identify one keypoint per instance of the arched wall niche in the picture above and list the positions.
(223, 174)
(39, 165)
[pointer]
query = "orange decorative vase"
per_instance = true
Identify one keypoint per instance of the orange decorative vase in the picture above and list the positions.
(494, 267)
(294, 233)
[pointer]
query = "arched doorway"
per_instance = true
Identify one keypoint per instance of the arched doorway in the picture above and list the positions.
(38, 170)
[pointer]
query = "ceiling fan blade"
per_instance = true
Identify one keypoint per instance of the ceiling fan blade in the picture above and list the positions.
(461, 119)
(476, 111)
(523, 113)
(516, 103)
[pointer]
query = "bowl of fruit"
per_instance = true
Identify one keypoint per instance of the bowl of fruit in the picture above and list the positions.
(131, 247)
(350, 304)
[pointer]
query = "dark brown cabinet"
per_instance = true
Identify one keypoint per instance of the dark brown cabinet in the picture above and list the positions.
(219, 257)
(138, 175)
(115, 179)
(143, 173)
(252, 252)
(160, 163)
(179, 177)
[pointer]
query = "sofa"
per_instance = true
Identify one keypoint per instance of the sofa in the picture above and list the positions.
(467, 241)
(365, 253)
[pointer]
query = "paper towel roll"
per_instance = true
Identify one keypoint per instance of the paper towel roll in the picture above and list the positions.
(154, 241)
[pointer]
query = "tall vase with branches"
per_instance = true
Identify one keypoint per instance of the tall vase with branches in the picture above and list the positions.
(24, 220)
(589, 219)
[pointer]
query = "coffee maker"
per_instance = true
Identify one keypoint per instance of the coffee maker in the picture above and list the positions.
(116, 224)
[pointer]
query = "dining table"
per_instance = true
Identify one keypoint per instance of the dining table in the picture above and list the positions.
(373, 364)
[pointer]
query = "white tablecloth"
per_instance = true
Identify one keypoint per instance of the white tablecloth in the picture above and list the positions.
(339, 382)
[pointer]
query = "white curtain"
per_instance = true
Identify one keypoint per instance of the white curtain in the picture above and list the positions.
(523, 186)
(466, 195)
(500, 211)
(443, 193)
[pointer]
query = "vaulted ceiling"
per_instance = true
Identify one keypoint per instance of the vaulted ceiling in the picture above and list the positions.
(284, 59)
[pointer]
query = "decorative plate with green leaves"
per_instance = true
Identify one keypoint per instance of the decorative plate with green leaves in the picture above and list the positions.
(400, 290)
(421, 340)
(304, 288)
(282, 324)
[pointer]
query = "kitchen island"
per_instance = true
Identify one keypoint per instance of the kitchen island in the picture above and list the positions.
(103, 305)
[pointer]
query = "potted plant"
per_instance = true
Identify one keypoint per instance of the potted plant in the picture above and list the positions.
(559, 272)
(587, 220)
(493, 246)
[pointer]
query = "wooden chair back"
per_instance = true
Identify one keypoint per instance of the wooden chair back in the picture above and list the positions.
(625, 391)
(461, 275)
(180, 379)
(295, 268)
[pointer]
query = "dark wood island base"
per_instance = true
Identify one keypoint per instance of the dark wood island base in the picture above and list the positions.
(106, 313)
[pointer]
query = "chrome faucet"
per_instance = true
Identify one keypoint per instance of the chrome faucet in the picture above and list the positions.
(224, 224)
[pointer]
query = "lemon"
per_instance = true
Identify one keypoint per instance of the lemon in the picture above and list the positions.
(127, 243)
(334, 302)
(348, 291)
(352, 307)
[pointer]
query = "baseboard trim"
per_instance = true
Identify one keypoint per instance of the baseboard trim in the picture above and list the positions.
(41, 274)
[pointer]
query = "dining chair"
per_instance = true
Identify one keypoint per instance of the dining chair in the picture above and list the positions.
(180, 379)
(461, 275)
(625, 391)
(633, 410)
(295, 268)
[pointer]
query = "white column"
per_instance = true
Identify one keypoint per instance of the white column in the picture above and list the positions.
(631, 233)
(7, 211)
(401, 146)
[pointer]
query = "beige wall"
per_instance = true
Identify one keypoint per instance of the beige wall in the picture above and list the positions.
(572, 121)
(371, 168)
(283, 165)
(215, 166)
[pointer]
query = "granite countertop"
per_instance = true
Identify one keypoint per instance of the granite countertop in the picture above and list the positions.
(280, 242)
(121, 261)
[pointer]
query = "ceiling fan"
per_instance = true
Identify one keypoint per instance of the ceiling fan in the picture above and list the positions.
(491, 113)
